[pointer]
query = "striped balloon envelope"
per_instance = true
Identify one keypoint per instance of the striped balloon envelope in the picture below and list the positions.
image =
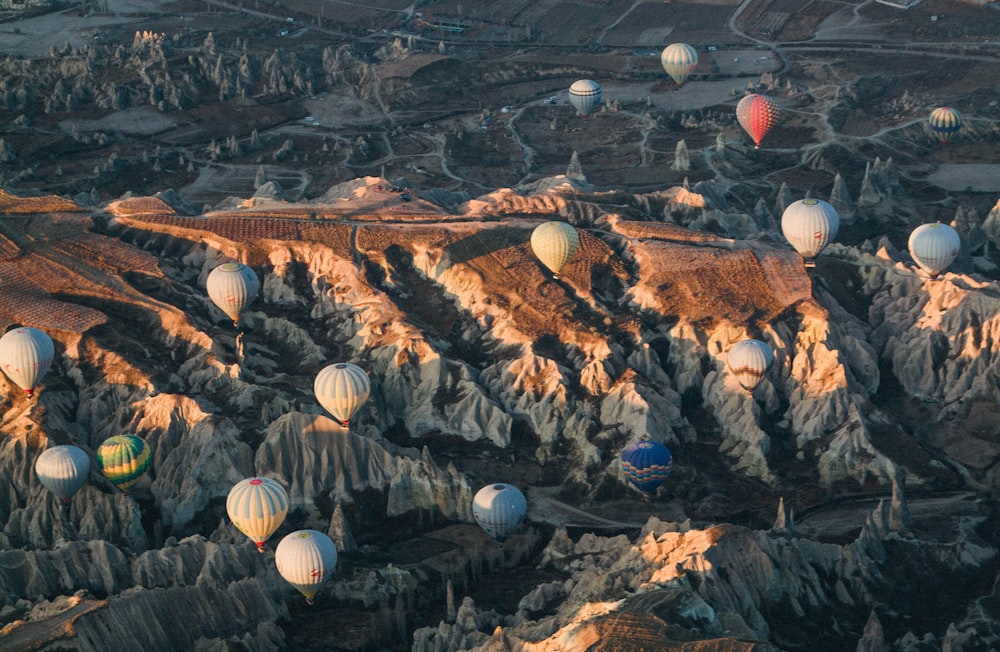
(342, 388)
(646, 464)
(679, 60)
(25, 355)
(499, 509)
(306, 558)
(257, 507)
(123, 459)
(934, 246)
(757, 114)
(944, 122)
(554, 243)
(231, 287)
(585, 96)
(749, 361)
(63, 470)
(809, 225)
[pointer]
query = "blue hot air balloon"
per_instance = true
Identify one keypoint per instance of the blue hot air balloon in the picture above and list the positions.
(499, 509)
(646, 464)
(944, 122)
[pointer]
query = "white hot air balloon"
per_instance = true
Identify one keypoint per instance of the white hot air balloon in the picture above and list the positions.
(585, 96)
(257, 507)
(341, 389)
(934, 246)
(63, 470)
(26, 354)
(305, 558)
(554, 243)
(749, 360)
(679, 60)
(499, 509)
(231, 287)
(809, 224)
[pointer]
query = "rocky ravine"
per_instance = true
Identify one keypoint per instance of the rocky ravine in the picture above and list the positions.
(484, 367)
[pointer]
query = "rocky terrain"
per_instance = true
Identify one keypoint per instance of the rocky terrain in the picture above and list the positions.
(862, 466)
(848, 503)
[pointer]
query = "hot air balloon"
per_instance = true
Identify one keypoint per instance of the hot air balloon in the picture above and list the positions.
(26, 354)
(809, 224)
(554, 243)
(499, 509)
(646, 464)
(341, 389)
(63, 470)
(123, 459)
(585, 95)
(305, 558)
(679, 60)
(749, 360)
(757, 114)
(944, 122)
(231, 287)
(257, 507)
(934, 247)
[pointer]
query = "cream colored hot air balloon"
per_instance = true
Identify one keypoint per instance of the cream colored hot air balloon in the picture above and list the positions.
(341, 389)
(26, 354)
(934, 247)
(499, 508)
(749, 361)
(809, 224)
(257, 507)
(554, 243)
(585, 96)
(679, 60)
(63, 470)
(231, 287)
(305, 558)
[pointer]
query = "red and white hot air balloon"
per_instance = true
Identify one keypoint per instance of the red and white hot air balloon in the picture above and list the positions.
(757, 114)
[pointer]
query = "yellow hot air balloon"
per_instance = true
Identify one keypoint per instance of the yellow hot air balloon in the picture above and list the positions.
(341, 389)
(944, 122)
(305, 558)
(679, 60)
(554, 243)
(123, 459)
(257, 507)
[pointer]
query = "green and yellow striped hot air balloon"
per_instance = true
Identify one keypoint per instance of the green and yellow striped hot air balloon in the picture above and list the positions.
(123, 459)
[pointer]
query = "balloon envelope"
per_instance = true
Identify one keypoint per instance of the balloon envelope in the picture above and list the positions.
(757, 114)
(749, 360)
(585, 95)
(26, 354)
(554, 243)
(123, 459)
(679, 60)
(342, 388)
(809, 224)
(934, 247)
(231, 287)
(499, 509)
(63, 470)
(646, 464)
(305, 558)
(257, 507)
(944, 122)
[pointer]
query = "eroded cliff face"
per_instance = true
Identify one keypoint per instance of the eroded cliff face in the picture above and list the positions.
(485, 367)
